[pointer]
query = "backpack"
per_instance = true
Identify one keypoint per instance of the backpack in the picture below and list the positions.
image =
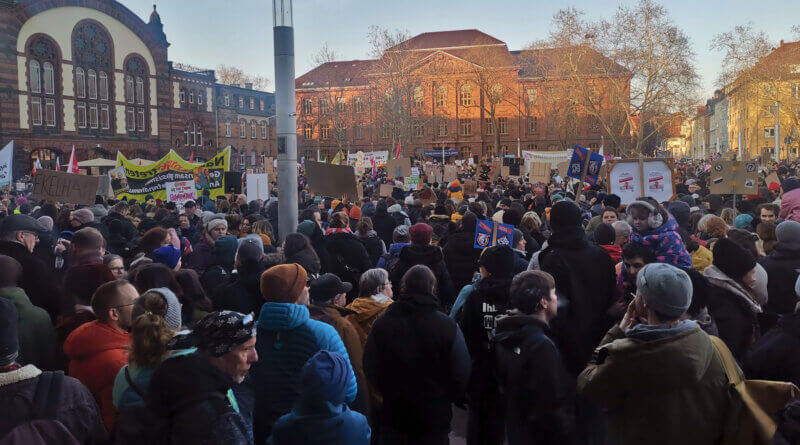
(390, 262)
(753, 403)
(43, 428)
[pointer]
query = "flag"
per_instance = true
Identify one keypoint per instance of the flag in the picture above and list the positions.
(338, 158)
(374, 172)
(6, 163)
(602, 142)
(58, 163)
(191, 158)
(36, 166)
(397, 149)
(73, 163)
(502, 152)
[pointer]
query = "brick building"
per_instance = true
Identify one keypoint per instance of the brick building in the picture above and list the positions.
(246, 122)
(458, 90)
(93, 75)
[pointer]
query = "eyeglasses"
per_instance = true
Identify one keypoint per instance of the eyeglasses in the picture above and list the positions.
(124, 305)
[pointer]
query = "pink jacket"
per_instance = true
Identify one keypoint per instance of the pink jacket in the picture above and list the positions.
(790, 206)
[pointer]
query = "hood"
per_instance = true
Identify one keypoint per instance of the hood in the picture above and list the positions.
(495, 289)
(92, 338)
(439, 218)
(365, 308)
(368, 208)
(396, 208)
(370, 234)
(421, 254)
(181, 377)
(785, 250)
(672, 361)
(670, 225)
(282, 316)
(718, 278)
(324, 378)
(512, 330)
(395, 248)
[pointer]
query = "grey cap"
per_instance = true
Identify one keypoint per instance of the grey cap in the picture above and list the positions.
(173, 315)
(14, 223)
(665, 289)
(788, 231)
(251, 249)
(401, 232)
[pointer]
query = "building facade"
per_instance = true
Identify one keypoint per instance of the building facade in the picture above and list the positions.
(717, 110)
(246, 122)
(457, 90)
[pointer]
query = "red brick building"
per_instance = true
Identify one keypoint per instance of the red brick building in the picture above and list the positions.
(458, 90)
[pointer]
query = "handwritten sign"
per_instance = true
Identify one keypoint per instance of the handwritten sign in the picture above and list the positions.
(179, 192)
(65, 187)
(257, 187)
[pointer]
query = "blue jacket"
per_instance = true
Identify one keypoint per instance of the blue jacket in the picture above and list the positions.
(320, 415)
(394, 250)
(287, 338)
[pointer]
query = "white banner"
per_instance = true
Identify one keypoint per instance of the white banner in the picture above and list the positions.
(6, 162)
(381, 158)
(543, 156)
(179, 192)
(257, 186)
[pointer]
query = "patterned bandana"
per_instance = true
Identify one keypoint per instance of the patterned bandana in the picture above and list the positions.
(218, 333)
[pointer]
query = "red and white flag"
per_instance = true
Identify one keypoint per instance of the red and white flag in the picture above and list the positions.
(191, 158)
(73, 163)
(36, 166)
(58, 163)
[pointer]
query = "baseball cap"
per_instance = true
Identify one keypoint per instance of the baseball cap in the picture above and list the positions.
(328, 286)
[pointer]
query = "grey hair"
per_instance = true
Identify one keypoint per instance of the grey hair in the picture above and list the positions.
(371, 281)
(11, 236)
(701, 225)
(622, 227)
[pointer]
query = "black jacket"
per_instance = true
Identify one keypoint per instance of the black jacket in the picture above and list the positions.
(194, 394)
(241, 292)
(782, 266)
(346, 258)
(442, 227)
(374, 247)
(308, 260)
(776, 355)
(37, 279)
(432, 257)
(128, 229)
(736, 322)
(537, 392)
(461, 257)
(416, 358)
(384, 225)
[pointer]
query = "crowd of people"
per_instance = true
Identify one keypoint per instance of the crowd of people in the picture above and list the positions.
(141, 322)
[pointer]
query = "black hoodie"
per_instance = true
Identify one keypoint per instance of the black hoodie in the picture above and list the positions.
(432, 257)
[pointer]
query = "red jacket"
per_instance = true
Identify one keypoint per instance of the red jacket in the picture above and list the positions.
(96, 353)
(614, 251)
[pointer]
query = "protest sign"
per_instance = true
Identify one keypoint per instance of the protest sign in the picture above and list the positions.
(563, 168)
(735, 177)
(576, 165)
(119, 182)
(658, 180)
(257, 186)
(414, 171)
(399, 168)
(426, 196)
(331, 180)
(386, 190)
(269, 167)
(470, 187)
(181, 191)
(151, 179)
(411, 183)
(381, 157)
(489, 233)
(450, 173)
(6, 164)
(634, 178)
(773, 177)
(539, 171)
(104, 187)
(69, 188)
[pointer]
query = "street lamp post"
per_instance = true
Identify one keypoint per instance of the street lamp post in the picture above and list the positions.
(285, 113)
(777, 132)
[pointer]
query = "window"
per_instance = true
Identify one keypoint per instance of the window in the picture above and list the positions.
(92, 52)
(323, 106)
(385, 133)
(769, 132)
(441, 96)
(796, 90)
(263, 130)
(35, 77)
(533, 124)
(341, 104)
(242, 129)
(594, 125)
(183, 96)
(532, 147)
(496, 93)
(502, 124)
(136, 93)
(358, 104)
(466, 95)
(260, 107)
(43, 83)
(193, 134)
(466, 127)
(253, 130)
(252, 158)
(419, 130)
(594, 145)
(442, 129)
(419, 97)
(358, 132)
(531, 95)
(191, 96)
(241, 102)
(48, 78)
(227, 129)
(130, 119)
(324, 131)
(227, 100)
(242, 159)
(105, 117)
(252, 103)
(139, 119)
(489, 126)
(130, 92)
(308, 107)
(36, 110)
(308, 131)
(199, 98)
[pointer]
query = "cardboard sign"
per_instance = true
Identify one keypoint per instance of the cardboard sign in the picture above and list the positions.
(450, 173)
(65, 187)
(658, 180)
(181, 191)
(399, 168)
(426, 196)
(563, 168)
(734, 177)
(386, 190)
(331, 180)
(414, 171)
(506, 171)
(773, 177)
(470, 187)
(540, 172)
(257, 186)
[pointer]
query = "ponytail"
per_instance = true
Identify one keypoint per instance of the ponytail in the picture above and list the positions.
(149, 331)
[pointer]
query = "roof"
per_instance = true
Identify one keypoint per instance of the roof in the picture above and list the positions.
(446, 39)
(342, 73)
(546, 61)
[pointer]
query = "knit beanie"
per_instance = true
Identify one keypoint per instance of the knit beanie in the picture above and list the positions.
(788, 232)
(83, 216)
(612, 200)
(250, 250)
(665, 289)
(355, 213)
(216, 222)
(564, 214)
(498, 260)
(743, 221)
(680, 211)
(420, 233)
(283, 283)
(173, 315)
(604, 234)
(306, 227)
(9, 334)
(46, 222)
(225, 249)
(733, 260)
(790, 184)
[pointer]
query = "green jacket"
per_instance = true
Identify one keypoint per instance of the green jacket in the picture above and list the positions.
(37, 338)
(672, 390)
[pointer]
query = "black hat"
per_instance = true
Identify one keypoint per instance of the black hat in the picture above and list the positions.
(13, 223)
(498, 260)
(604, 234)
(9, 336)
(189, 204)
(732, 259)
(328, 286)
(564, 214)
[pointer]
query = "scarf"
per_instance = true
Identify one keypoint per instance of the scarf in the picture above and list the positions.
(339, 230)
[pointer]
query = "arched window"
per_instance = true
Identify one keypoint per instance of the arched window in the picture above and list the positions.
(93, 55)
(419, 97)
(43, 85)
(136, 94)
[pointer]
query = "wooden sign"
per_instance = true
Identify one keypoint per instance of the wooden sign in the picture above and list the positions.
(399, 168)
(331, 179)
(69, 188)
(734, 177)
(386, 190)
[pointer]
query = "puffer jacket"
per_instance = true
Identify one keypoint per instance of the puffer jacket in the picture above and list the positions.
(667, 244)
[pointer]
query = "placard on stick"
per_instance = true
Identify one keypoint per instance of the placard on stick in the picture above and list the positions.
(736, 177)
(69, 188)
(399, 168)
(331, 179)
(449, 173)
(634, 178)
(386, 190)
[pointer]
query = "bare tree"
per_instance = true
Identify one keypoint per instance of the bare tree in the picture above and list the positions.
(231, 75)
(332, 103)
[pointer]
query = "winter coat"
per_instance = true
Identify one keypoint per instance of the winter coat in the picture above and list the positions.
(45, 293)
(432, 257)
(520, 262)
(320, 416)
(586, 286)
(202, 258)
(790, 205)
(734, 311)
(96, 352)
(782, 266)
(363, 313)
(384, 225)
(287, 338)
(241, 291)
(537, 393)
(194, 395)
(776, 355)
(37, 337)
(666, 243)
(75, 409)
(128, 229)
(308, 260)
(347, 258)
(442, 227)
(394, 252)
(417, 360)
(373, 245)
(665, 391)
(461, 257)
(400, 217)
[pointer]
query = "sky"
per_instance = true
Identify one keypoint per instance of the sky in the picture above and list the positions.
(208, 33)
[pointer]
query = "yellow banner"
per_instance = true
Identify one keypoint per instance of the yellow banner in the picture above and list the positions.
(131, 181)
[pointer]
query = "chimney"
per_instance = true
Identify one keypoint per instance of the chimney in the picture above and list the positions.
(248, 85)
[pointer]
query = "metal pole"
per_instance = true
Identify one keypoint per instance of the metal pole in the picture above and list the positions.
(777, 132)
(285, 114)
